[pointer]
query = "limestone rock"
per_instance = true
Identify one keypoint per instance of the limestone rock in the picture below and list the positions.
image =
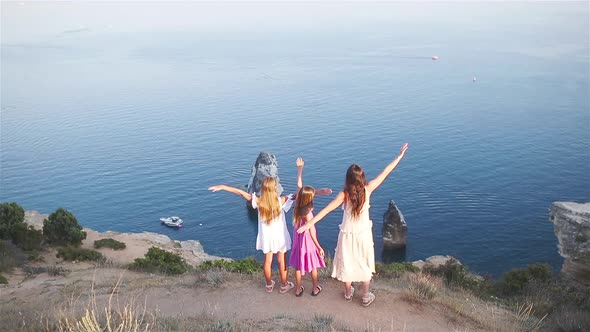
(266, 165)
(394, 228)
(572, 228)
(434, 262)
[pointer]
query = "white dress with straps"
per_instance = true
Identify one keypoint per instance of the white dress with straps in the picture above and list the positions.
(354, 260)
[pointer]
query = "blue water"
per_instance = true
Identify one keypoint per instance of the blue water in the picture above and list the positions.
(125, 127)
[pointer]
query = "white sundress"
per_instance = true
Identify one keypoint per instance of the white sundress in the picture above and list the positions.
(274, 236)
(354, 259)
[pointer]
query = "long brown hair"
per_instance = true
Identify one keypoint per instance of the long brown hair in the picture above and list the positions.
(268, 204)
(354, 188)
(303, 205)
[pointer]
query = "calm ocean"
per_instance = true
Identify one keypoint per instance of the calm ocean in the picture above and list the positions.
(124, 126)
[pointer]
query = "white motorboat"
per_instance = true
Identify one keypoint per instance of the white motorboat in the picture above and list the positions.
(172, 221)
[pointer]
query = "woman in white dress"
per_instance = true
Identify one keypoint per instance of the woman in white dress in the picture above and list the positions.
(354, 260)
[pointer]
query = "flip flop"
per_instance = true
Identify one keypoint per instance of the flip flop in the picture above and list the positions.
(286, 287)
(368, 299)
(349, 299)
(270, 287)
(319, 288)
(301, 289)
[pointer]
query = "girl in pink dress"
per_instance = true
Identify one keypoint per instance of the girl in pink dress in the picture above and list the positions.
(307, 255)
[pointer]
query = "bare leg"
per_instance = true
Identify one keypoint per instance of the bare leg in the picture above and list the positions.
(314, 279)
(348, 289)
(282, 268)
(266, 267)
(365, 289)
(298, 280)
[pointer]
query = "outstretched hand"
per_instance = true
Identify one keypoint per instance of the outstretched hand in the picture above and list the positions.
(403, 149)
(216, 188)
(299, 162)
(304, 227)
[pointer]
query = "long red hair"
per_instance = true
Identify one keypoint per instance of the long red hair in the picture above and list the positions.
(354, 188)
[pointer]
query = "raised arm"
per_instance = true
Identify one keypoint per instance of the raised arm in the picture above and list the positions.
(300, 163)
(232, 190)
(376, 182)
(336, 202)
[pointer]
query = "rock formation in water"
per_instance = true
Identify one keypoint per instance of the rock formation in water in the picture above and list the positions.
(572, 228)
(266, 165)
(394, 228)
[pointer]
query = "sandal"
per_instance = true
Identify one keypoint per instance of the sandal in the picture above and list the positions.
(319, 288)
(349, 299)
(368, 299)
(270, 287)
(286, 287)
(301, 289)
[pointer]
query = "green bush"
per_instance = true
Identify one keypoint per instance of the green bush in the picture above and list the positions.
(161, 261)
(395, 270)
(109, 243)
(79, 254)
(13, 227)
(247, 265)
(516, 280)
(10, 215)
(62, 228)
(456, 274)
(3, 280)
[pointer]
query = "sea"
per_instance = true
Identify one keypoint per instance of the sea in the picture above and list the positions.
(123, 119)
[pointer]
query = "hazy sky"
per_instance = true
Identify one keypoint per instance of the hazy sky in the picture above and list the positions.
(24, 21)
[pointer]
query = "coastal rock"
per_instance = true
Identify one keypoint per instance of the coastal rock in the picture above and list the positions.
(394, 228)
(266, 165)
(572, 228)
(137, 243)
(434, 262)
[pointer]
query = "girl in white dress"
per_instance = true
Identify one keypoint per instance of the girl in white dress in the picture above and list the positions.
(354, 260)
(273, 235)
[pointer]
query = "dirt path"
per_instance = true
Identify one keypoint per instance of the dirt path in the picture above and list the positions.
(236, 298)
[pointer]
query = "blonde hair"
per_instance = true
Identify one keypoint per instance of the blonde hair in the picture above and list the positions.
(303, 205)
(268, 203)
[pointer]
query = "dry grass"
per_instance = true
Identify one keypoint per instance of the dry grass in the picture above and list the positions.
(112, 317)
(422, 287)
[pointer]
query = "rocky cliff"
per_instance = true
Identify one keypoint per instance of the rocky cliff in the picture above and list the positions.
(137, 243)
(394, 228)
(572, 228)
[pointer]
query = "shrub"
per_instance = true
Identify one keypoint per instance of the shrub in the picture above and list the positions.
(516, 280)
(62, 228)
(79, 254)
(159, 260)
(3, 280)
(10, 215)
(10, 256)
(247, 265)
(395, 270)
(13, 227)
(455, 274)
(422, 287)
(109, 243)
